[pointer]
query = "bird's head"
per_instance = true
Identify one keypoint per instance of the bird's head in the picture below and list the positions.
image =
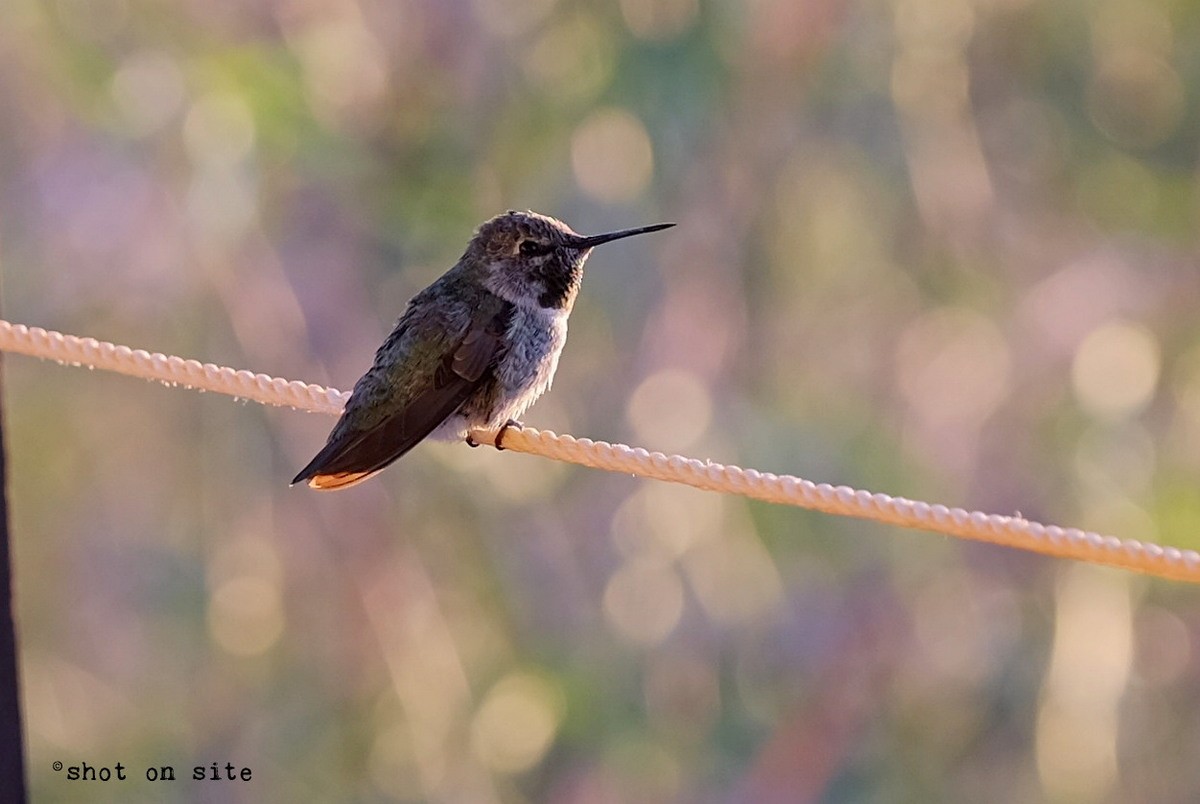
(534, 260)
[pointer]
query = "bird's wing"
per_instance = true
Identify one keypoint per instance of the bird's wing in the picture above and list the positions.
(354, 454)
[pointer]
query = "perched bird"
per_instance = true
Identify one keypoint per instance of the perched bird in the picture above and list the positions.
(472, 350)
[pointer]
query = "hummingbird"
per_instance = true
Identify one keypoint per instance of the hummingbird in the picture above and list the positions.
(473, 350)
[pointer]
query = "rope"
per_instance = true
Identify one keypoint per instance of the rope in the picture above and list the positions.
(1130, 554)
(74, 351)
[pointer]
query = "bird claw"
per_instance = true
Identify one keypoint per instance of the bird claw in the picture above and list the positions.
(472, 443)
(500, 433)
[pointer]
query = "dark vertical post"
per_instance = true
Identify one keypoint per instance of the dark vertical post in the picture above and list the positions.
(12, 744)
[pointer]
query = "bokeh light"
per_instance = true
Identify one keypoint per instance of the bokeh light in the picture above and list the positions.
(612, 156)
(672, 406)
(1089, 668)
(1115, 370)
(644, 601)
(516, 723)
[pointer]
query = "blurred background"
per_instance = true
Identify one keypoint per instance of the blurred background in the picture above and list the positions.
(943, 249)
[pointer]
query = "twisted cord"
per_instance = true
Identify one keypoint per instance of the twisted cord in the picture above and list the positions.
(1130, 554)
(169, 370)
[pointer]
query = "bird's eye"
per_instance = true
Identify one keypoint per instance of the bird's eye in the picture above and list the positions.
(532, 248)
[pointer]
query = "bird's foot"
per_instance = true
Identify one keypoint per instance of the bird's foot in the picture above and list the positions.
(513, 423)
(472, 443)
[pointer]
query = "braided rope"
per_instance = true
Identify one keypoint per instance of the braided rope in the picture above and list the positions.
(169, 370)
(1130, 554)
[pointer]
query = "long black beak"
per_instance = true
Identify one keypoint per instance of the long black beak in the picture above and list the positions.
(596, 240)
